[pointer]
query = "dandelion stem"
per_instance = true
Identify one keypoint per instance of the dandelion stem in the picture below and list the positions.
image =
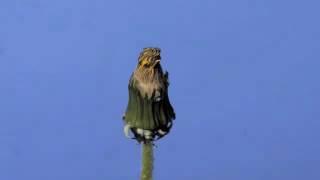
(147, 161)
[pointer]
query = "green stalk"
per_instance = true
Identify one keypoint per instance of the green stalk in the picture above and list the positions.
(147, 161)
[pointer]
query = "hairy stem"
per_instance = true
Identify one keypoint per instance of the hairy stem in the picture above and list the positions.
(147, 161)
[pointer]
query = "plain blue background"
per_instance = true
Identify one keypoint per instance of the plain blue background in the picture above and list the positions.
(244, 83)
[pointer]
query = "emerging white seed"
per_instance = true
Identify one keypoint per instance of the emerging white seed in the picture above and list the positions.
(140, 131)
(157, 96)
(126, 130)
(147, 132)
(161, 132)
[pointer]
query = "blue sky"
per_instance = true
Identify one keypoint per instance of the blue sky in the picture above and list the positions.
(244, 83)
